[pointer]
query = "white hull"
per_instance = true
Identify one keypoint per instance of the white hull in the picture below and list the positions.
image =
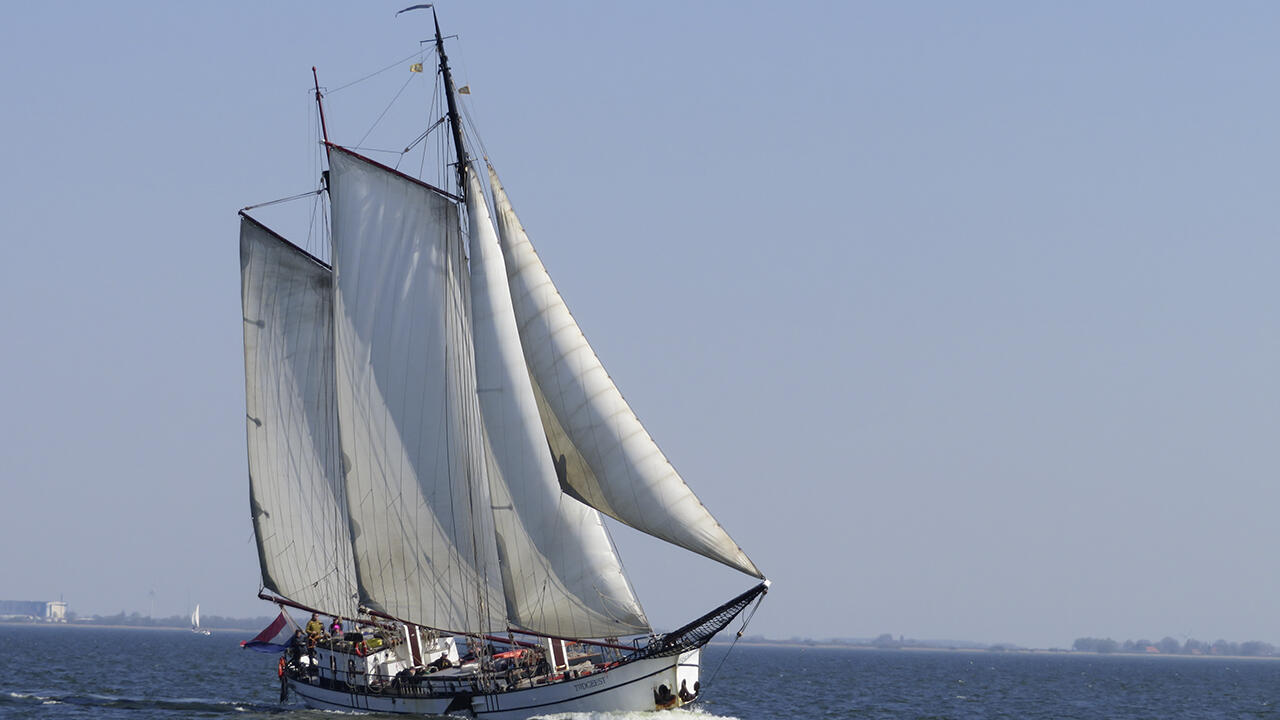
(633, 686)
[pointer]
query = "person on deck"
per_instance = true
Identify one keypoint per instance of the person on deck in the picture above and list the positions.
(315, 628)
(297, 647)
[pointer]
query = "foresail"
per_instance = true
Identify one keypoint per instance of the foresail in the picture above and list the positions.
(296, 495)
(421, 521)
(561, 575)
(611, 461)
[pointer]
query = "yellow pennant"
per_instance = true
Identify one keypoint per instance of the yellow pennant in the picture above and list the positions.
(464, 90)
(416, 67)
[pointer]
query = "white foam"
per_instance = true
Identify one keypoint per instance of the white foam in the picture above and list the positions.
(25, 696)
(682, 714)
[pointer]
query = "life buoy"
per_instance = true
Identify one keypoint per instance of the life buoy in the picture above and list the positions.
(280, 669)
(362, 648)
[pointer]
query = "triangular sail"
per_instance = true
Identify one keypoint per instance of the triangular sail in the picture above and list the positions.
(560, 573)
(296, 494)
(611, 461)
(412, 442)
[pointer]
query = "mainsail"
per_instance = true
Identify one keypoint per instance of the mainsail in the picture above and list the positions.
(297, 496)
(560, 573)
(410, 427)
(610, 461)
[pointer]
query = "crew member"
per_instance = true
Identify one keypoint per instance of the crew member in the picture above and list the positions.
(315, 628)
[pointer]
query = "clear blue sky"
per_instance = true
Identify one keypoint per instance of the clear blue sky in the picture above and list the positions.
(960, 317)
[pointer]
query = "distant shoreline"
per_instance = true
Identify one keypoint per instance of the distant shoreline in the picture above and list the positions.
(166, 628)
(984, 651)
(786, 644)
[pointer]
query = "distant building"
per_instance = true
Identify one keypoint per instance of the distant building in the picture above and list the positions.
(49, 611)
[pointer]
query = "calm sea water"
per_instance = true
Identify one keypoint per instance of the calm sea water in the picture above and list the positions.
(58, 673)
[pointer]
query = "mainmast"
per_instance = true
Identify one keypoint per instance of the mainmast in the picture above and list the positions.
(455, 123)
(451, 97)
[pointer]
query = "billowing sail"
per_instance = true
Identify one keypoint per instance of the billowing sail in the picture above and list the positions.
(611, 461)
(295, 489)
(412, 437)
(560, 572)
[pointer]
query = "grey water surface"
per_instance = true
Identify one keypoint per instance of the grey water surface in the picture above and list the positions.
(60, 673)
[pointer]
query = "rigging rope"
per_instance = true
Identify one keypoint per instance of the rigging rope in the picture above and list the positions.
(319, 246)
(418, 54)
(299, 196)
(473, 130)
(738, 636)
(386, 109)
(375, 150)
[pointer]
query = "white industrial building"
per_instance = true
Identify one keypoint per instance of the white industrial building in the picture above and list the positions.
(49, 611)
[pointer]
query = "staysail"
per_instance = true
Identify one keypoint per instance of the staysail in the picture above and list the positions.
(610, 461)
(296, 494)
(410, 427)
(561, 575)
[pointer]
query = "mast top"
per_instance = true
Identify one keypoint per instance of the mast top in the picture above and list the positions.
(455, 121)
(324, 129)
(423, 6)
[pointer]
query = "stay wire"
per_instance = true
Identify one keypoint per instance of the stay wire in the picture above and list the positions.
(299, 196)
(386, 109)
(471, 127)
(745, 621)
(473, 130)
(418, 54)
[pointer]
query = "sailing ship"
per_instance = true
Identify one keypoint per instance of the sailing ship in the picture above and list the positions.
(432, 443)
(195, 622)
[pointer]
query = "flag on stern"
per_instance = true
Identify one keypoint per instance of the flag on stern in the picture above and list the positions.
(274, 638)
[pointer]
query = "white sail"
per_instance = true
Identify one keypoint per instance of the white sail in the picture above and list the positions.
(296, 494)
(421, 522)
(560, 572)
(195, 618)
(612, 462)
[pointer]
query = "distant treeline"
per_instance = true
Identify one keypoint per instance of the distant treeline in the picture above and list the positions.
(1170, 646)
(885, 641)
(138, 620)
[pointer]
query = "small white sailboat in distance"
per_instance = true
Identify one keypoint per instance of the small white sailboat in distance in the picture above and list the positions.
(195, 622)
